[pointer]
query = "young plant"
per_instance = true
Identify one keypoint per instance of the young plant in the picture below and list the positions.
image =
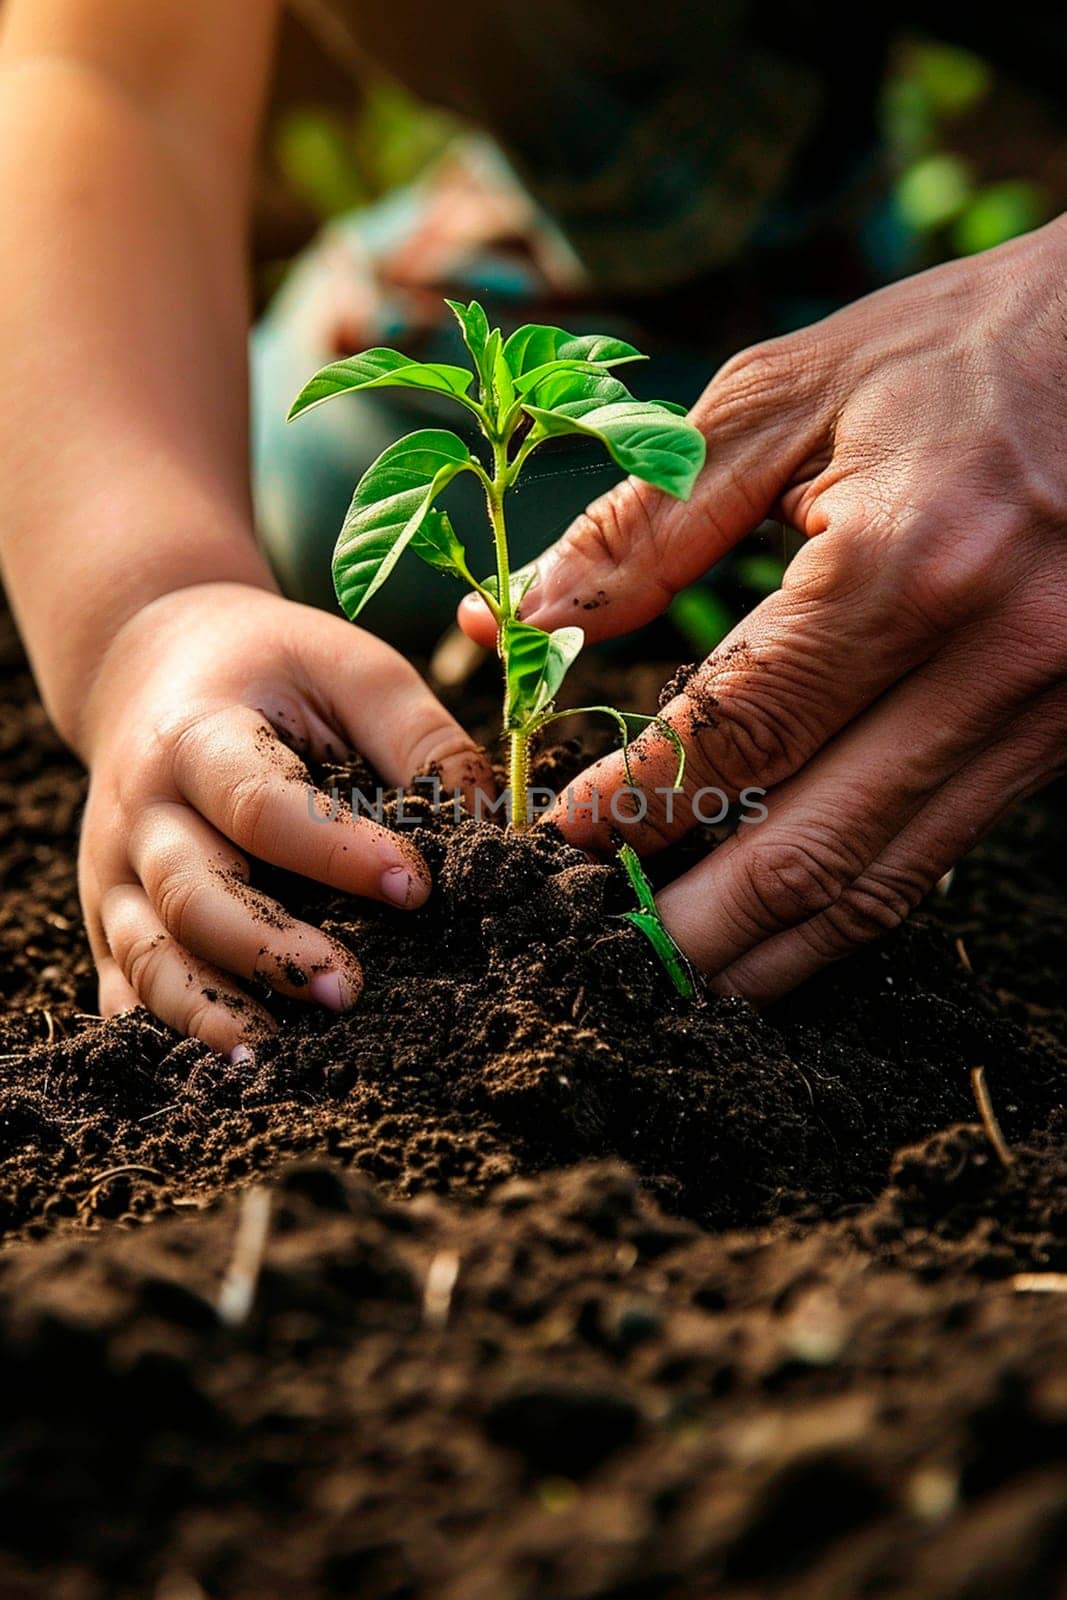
(538, 384)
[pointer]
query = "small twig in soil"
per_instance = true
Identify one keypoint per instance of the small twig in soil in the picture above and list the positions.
(440, 1283)
(989, 1117)
(965, 960)
(1040, 1283)
(238, 1289)
(118, 1172)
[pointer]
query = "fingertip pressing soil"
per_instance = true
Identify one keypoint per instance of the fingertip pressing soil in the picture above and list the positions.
(574, 1292)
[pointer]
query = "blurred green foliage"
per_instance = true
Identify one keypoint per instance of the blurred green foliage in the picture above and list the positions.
(702, 617)
(998, 212)
(760, 572)
(938, 195)
(333, 162)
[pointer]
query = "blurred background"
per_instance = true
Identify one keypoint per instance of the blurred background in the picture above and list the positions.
(976, 155)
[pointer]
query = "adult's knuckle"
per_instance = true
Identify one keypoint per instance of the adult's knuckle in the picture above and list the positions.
(952, 567)
(771, 372)
(607, 533)
(875, 904)
(741, 737)
(1033, 624)
(789, 881)
(754, 372)
(829, 570)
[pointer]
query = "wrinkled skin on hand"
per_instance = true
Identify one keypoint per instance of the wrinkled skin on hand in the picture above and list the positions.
(907, 683)
(193, 722)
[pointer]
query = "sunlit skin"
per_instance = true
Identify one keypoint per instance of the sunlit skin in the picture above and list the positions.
(902, 689)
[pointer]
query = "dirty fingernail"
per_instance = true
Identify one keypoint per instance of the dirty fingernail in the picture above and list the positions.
(401, 887)
(331, 990)
(241, 1053)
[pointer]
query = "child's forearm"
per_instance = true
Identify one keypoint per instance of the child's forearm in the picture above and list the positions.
(123, 455)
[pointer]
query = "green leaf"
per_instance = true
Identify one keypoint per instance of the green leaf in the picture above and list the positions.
(650, 923)
(569, 382)
(535, 665)
(392, 502)
(536, 345)
(484, 344)
(527, 382)
(491, 359)
(643, 438)
(639, 883)
(435, 542)
(503, 382)
(380, 369)
(475, 326)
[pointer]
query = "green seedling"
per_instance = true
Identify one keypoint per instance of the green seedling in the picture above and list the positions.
(649, 921)
(534, 386)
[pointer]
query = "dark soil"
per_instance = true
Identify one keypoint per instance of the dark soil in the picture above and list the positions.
(570, 1291)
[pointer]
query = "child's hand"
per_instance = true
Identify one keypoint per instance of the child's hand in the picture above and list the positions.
(189, 776)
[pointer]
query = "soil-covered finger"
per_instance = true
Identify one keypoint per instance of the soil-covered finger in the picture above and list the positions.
(199, 888)
(189, 995)
(798, 669)
(826, 826)
(235, 771)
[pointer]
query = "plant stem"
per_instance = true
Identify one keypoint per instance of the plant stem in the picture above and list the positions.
(498, 487)
(519, 780)
(518, 766)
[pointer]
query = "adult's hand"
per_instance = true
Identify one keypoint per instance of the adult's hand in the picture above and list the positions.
(907, 683)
